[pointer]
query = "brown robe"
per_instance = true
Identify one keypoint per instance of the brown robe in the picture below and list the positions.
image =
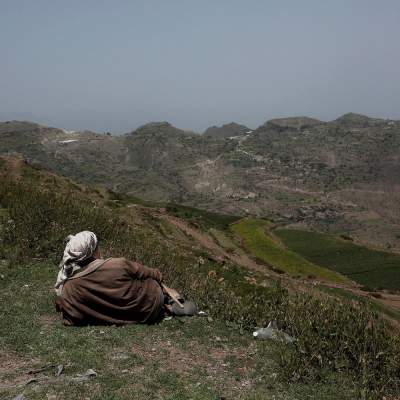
(118, 292)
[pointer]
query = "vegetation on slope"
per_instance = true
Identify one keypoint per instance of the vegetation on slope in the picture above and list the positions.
(202, 218)
(260, 242)
(176, 360)
(371, 268)
(376, 305)
(331, 336)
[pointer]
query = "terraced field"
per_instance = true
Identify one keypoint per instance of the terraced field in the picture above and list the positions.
(259, 241)
(371, 268)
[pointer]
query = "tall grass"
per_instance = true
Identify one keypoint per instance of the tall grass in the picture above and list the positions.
(331, 336)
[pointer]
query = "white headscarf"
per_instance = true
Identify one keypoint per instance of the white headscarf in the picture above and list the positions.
(79, 248)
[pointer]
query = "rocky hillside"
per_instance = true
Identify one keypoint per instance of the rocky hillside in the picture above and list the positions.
(341, 176)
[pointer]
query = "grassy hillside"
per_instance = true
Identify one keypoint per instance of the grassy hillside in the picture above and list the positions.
(260, 242)
(371, 268)
(337, 341)
(181, 360)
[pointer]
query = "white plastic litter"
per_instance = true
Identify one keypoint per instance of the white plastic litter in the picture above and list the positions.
(86, 376)
(272, 332)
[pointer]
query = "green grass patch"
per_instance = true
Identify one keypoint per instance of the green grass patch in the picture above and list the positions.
(224, 240)
(372, 268)
(202, 218)
(259, 241)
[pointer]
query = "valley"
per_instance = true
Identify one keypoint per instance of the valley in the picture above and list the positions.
(339, 177)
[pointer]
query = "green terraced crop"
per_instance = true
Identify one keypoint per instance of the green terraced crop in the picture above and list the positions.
(371, 268)
(261, 244)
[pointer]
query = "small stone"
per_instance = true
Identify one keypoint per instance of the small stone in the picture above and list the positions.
(84, 377)
(60, 369)
(90, 372)
(120, 356)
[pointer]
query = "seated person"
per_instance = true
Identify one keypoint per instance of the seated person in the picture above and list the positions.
(91, 290)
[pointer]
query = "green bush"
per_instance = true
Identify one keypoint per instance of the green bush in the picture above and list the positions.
(202, 218)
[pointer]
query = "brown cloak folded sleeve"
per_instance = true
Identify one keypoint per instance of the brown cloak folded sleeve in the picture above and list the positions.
(118, 292)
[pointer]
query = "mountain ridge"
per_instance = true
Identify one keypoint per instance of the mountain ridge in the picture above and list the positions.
(341, 176)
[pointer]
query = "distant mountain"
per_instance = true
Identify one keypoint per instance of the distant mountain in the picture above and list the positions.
(359, 120)
(19, 116)
(227, 130)
(157, 128)
(341, 176)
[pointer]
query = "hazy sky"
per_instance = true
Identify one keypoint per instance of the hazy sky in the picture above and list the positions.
(114, 65)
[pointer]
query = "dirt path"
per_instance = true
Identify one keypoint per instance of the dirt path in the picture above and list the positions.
(13, 166)
(208, 242)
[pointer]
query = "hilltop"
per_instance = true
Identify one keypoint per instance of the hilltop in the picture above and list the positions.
(228, 130)
(292, 123)
(358, 120)
(338, 177)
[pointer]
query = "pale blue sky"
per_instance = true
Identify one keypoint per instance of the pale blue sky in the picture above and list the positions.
(114, 65)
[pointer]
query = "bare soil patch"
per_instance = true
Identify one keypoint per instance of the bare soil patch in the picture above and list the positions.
(14, 370)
